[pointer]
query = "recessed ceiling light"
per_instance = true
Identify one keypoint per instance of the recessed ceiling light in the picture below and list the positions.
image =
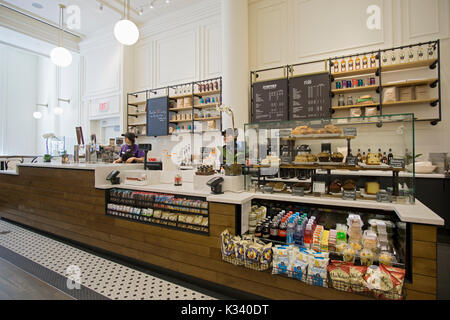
(37, 5)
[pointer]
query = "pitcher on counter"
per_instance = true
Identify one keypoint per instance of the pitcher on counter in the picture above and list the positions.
(130, 152)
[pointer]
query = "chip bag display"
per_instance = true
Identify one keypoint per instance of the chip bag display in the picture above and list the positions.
(280, 260)
(340, 276)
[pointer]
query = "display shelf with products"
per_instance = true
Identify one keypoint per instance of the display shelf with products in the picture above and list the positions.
(183, 213)
(186, 102)
(345, 249)
(352, 79)
(290, 150)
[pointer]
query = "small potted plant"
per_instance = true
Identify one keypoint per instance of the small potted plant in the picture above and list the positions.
(48, 156)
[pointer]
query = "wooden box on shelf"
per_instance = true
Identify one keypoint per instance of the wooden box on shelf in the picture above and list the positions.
(422, 92)
(405, 93)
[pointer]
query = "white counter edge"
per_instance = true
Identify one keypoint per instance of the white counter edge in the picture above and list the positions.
(416, 213)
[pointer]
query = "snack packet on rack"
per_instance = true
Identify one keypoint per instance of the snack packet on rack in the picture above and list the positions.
(240, 252)
(398, 276)
(280, 260)
(357, 273)
(317, 270)
(225, 237)
(340, 276)
(253, 255)
(266, 256)
(298, 264)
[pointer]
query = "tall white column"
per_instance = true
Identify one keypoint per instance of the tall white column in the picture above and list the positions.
(235, 65)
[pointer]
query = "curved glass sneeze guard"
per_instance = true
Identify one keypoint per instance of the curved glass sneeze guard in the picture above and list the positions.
(373, 154)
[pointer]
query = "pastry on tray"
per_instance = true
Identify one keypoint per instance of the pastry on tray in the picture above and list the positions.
(308, 157)
(279, 186)
(324, 157)
(332, 129)
(349, 185)
(305, 185)
(335, 186)
(337, 157)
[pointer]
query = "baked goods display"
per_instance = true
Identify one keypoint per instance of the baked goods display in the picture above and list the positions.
(305, 130)
(305, 185)
(271, 160)
(337, 157)
(372, 188)
(335, 186)
(349, 185)
(324, 157)
(373, 159)
(205, 171)
(302, 158)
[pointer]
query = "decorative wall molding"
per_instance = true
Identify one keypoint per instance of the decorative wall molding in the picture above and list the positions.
(33, 28)
(425, 20)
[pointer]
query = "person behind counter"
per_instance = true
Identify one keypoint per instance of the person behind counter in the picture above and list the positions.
(130, 152)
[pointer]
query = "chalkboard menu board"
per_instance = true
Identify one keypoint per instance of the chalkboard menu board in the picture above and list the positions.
(310, 96)
(157, 117)
(270, 101)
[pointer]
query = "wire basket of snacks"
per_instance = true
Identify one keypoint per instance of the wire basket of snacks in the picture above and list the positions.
(381, 282)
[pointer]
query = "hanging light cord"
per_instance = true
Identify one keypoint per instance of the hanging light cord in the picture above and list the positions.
(61, 24)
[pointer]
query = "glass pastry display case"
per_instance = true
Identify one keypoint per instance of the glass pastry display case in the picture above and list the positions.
(346, 158)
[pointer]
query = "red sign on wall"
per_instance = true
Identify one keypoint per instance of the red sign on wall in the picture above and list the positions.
(103, 107)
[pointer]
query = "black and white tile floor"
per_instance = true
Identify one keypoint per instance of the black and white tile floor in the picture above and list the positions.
(106, 278)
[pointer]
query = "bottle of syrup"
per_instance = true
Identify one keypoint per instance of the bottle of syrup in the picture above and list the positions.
(380, 155)
(384, 159)
(373, 61)
(343, 65)
(350, 64)
(364, 157)
(359, 156)
(365, 64)
(336, 66)
(357, 63)
(390, 156)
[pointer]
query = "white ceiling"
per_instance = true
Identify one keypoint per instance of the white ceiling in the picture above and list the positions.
(93, 19)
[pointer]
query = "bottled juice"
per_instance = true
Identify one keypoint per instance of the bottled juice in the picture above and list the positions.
(373, 61)
(357, 63)
(336, 66)
(365, 64)
(343, 65)
(350, 64)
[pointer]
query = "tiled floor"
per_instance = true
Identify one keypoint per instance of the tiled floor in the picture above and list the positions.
(105, 277)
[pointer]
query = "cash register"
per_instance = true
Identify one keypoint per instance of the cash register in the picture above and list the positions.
(150, 165)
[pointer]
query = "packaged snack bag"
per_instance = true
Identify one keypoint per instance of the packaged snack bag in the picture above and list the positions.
(240, 252)
(298, 264)
(266, 256)
(318, 277)
(357, 273)
(280, 260)
(225, 236)
(397, 276)
(340, 276)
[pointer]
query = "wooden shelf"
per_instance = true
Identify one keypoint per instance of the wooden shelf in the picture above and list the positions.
(137, 103)
(408, 65)
(137, 114)
(207, 119)
(187, 95)
(178, 121)
(408, 83)
(180, 109)
(355, 89)
(206, 105)
(208, 93)
(399, 103)
(137, 125)
(356, 106)
(318, 138)
(354, 73)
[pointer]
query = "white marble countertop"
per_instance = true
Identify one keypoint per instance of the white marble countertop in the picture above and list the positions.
(82, 166)
(9, 172)
(415, 213)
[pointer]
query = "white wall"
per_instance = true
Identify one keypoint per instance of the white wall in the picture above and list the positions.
(28, 79)
(18, 71)
(285, 32)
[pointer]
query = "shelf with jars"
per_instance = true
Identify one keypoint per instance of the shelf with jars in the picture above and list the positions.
(293, 153)
(188, 102)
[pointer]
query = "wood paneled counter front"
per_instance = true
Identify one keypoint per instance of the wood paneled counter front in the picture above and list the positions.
(65, 202)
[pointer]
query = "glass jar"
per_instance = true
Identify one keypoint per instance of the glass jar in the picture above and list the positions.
(341, 101)
(349, 100)
(430, 51)
(411, 55)
(402, 56)
(420, 54)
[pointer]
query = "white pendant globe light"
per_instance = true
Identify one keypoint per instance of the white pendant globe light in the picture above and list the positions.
(60, 55)
(125, 31)
(37, 115)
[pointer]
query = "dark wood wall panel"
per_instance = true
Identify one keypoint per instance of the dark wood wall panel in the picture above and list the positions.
(65, 203)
